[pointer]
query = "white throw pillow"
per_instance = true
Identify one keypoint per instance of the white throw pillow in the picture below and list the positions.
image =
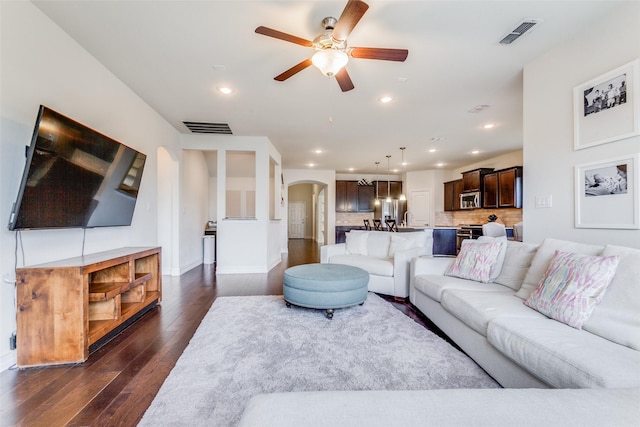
(517, 261)
(475, 260)
(543, 256)
(617, 317)
(497, 267)
(399, 243)
(357, 242)
(572, 286)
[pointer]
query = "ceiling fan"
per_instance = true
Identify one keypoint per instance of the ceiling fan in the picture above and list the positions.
(332, 53)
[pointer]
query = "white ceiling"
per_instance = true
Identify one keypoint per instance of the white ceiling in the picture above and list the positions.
(168, 53)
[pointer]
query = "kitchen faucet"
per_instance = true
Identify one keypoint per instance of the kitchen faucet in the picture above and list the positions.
(406, 215)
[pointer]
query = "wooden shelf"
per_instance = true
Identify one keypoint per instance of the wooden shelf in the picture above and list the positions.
(66, 306)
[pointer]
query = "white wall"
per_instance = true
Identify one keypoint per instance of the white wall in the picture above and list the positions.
(549, 158)
(194, 209)
(41, 64)
(243, 244)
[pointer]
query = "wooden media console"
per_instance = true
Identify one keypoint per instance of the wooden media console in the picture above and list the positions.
(67, 308)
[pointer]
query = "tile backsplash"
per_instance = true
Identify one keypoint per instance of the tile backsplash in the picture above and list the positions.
(352, 218)
(506, 216)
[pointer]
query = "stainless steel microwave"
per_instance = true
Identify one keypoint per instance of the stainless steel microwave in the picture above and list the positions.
(470, 200)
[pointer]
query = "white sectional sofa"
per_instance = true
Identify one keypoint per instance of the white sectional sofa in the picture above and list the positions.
(385, 255)
(523, 348)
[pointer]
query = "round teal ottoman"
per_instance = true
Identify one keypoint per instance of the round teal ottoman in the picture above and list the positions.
(325, 286)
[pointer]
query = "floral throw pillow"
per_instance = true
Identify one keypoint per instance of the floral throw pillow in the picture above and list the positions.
(475, 260)
(572, 286)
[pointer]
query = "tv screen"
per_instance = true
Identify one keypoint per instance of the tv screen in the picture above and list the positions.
(75, 177)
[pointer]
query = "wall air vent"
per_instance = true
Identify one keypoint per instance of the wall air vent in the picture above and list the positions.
(207, 127)
(523, 27)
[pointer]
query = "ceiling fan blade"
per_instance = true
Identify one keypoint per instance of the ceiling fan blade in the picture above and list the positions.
(351, 15)
(379, 53)
(344, 80)
(283, 36)
(293, 70)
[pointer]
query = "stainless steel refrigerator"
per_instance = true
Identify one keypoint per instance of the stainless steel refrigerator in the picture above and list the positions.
(388, 210)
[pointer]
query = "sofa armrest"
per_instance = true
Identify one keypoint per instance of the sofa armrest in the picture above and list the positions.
(430, 265)
(327, 251)
(401, 266)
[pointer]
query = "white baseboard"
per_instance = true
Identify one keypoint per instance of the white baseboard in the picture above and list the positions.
(245, 269)
(7, 360)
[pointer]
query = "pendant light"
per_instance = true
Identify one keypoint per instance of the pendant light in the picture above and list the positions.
(402, 196)
(388, 180)
(377, 201)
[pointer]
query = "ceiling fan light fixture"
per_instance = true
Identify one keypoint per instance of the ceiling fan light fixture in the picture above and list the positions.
(330, 61)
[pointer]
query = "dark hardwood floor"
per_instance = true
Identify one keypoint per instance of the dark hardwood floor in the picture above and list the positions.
(117, 383)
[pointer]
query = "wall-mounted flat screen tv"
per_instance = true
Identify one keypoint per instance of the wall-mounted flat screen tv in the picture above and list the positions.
(75, 177)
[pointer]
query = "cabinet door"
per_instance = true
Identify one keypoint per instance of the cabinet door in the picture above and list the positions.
(396, 189)
(352, 196)
(490, 194)
(457, 191)
(510, 188)
(449, 201)
(382, 189)
(366, 194)
(471, 181)
(341, 196)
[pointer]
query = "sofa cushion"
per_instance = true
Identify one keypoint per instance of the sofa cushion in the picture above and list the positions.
(404, 241)
(377, 266)
(476, 308)
(399, 243)
(497, 267)
(562, 356)
(356, 242)
(617, 317)
(475, 260)
(572, 286)
(543, 256)
(433, 285)
(517, 261)
(378, 244)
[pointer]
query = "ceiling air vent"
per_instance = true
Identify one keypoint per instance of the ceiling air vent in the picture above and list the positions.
(520, 30)
(207, 127)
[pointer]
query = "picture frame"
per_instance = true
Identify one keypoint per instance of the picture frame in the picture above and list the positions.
(606, 108)
(607, 193)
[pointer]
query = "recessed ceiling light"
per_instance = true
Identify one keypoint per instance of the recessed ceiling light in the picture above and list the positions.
(488, 125)
(386, 99)
(225, 90)
(475, 151)
(394, 170)
(311, 165)
(432, 150)
(440, 164)
(318, 151)
(351, 169)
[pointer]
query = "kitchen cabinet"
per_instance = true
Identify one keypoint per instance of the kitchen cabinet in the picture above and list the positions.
(510, 188)
(346, 196)
(490, 191)
(503, 188)
(452, 191)
(472, 180)
(393, 187)
(351, 197)
(366, 194)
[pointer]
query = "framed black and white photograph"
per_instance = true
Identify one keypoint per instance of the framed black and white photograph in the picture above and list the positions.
(607, 194)
(607, 107)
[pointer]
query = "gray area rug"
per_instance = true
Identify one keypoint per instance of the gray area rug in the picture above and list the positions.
(250, 345)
